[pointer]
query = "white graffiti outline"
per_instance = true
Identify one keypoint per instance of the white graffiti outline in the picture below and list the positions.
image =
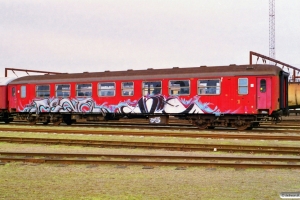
(146, 104)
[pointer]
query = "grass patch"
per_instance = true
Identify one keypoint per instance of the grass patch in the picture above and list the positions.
(45, 181)
(108, 182)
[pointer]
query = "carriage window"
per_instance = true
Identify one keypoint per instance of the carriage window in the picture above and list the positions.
(23, 91)
(62, 90)
(13, 91)
(263, 85)
(106, 89)
(84, 90)
(127, 89)
(209, 86)
(243, 85)
(179, 87)
(151, 87)
(42, 91)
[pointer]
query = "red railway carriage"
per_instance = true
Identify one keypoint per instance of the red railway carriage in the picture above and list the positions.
(235, 96)
(4, 115)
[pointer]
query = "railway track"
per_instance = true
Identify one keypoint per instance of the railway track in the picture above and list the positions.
(159, 145)
(292, 127)
(149, 132)
(151, 160)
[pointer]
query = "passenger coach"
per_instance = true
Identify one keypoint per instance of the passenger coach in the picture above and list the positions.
(4, 114)
(232, 96)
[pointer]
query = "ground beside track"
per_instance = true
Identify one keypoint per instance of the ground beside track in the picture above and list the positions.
(31, 181)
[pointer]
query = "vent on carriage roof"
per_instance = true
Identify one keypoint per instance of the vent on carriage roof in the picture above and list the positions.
(232, 65)
(106, 71)
(85, 72)
(149, 68)
(129, 69)
(175, 67)
(250, 67)
(203, 66)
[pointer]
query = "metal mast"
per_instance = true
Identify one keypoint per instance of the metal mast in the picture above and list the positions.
(272, 29)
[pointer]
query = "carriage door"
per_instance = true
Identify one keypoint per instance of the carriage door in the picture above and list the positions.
(263, 93)
(12, 97)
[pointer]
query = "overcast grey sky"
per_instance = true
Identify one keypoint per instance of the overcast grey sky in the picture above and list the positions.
(97, 35)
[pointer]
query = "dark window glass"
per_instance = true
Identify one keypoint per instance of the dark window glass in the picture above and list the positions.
(207, 87)
(151, 87)
(62, 90)
(43, 91)
(106, 89)
(179, 87)
(127, 89)
(84, 90)
(13, 91)
(263, 85)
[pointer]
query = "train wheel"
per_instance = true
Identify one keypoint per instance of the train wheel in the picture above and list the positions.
(46, 122)
(68, 120)
(242, 127)
(32, 120)
(202, 126)
(56, 120)
(57, 123)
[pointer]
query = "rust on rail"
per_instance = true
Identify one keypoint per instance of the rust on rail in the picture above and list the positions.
(152, 160)
(159, 145)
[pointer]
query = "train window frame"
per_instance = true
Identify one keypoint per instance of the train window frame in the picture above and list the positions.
(43, 92)
(179, 88)
(109, 92)
(86, 91)
(63, 91)
(243, 88)
(263, 86)
(23, 91)
(127, 90)
(154, 90)
(208, 89)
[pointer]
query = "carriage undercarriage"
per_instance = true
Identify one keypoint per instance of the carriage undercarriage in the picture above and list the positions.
(202, 121)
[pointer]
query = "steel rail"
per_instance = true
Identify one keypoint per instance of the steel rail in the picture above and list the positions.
(291, 128)
(28, 157)
(159, 145)
(157, 156)
(160, 134)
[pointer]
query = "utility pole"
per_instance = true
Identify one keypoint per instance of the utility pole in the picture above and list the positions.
(272, 30)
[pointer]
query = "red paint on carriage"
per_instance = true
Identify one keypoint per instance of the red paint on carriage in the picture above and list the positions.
(234, 91)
